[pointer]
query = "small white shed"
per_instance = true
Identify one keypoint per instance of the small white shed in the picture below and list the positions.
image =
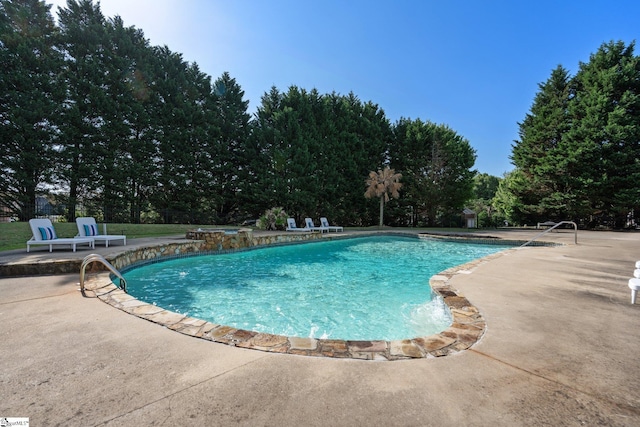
(470, 218)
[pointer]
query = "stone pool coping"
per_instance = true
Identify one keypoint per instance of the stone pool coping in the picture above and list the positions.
(467, 328)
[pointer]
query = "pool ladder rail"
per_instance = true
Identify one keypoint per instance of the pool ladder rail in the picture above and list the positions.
(575, 228)
(99, 258)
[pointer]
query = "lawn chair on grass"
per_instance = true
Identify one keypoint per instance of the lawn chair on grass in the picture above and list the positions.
(44, 234)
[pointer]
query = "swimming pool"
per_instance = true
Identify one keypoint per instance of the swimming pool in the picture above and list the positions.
(366, 288)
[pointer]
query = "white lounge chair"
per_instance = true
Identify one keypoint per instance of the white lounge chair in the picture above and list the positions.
(291, 226)
(44, 234)
(325, 223)
(311, 226)
(87, 227)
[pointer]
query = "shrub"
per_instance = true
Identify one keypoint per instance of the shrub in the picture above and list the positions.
(273, 219)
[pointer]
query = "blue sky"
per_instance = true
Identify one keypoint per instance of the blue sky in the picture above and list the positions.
(472, 65)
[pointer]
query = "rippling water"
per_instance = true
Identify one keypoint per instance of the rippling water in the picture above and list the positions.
(370, 288)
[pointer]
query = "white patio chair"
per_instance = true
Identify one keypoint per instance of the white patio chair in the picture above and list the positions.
(87, 227)
(45, 235)
(311, 226)
(291, 226)
(325, 223)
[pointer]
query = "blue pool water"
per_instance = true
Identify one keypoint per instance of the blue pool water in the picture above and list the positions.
(369, 288)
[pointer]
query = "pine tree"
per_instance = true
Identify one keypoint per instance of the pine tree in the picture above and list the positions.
(127, 153)
(578, 152)
(186, 129)
(312, 151)
(436, 163)
(606, 131)
(30, 97)
(541, 154)
(260, 184)
(230, 146)
(137, 145)
(85, 45)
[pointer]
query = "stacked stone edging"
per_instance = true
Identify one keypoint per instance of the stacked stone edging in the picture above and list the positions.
(467, 327)
(206, 242)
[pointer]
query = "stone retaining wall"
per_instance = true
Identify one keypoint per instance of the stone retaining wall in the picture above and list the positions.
(198, 241)
(217, 240)
(205, 241)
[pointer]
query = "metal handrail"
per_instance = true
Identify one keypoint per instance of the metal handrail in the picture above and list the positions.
(96, 257)
(575, 227)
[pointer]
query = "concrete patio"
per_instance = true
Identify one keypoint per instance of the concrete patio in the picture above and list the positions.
(561, 349)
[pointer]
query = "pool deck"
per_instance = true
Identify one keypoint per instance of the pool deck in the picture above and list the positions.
(560, 349)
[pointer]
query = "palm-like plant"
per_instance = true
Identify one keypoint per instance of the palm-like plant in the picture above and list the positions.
(383, 184)
(273, 219)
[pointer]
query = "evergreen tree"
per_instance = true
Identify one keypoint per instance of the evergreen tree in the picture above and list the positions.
(187, 132)
(541, 155)
(30, 99)
(341, 159)
(311, 152)
(603, 140)
(296, 153)
(259, 187)
(137, 147)
(231, 162)
(485, 187)
(436, 164)
(505, 202)
(85, 45)
(577, 157)
(372, 137)
(124, 128)
(127, 153)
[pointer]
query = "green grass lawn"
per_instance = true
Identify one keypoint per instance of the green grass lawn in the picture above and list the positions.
(14, 235)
